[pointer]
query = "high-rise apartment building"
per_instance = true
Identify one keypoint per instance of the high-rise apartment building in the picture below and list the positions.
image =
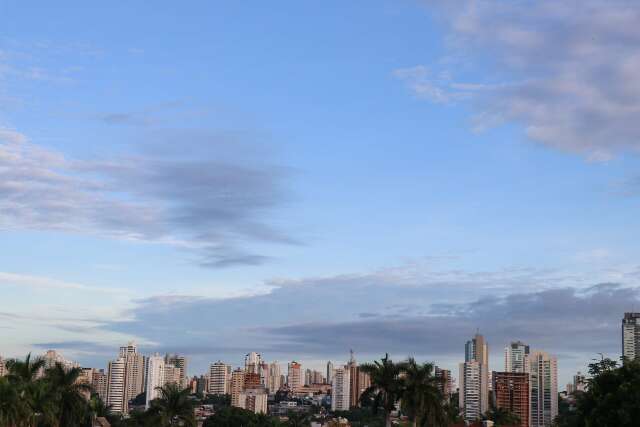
(180, 363)
(511, 391)
(358, 382)
(294, 375)
(219, 378)
(155, 378)
(254, 400)
(264, 374)
(631, 336)
(329, 372)
(469, 398)
(307, 377)
(237, 386)
(474, 379)
(275, 382)
(116, 392)
(252, 380)
(516, 357)
(579, 382)
(445, 382)
(135, 374)
(340, 391)
(3, 369)
(172, 374)
(252, 362)
(544, 389)
(100, 381)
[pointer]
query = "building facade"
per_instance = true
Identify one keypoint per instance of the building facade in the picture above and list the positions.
(631, 336)
(254, 400)
(516, 357)
(544, 389)
(340, 389)
(155, 378)
(116, 392)
(295, 377)
(237, 386)
(180, 363)
(474, 379)
(219, 378)
(275, 377)
(511, 390)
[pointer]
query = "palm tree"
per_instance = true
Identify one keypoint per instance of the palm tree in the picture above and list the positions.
(173, 407)
(23, 372)
(13, 409)
(385, 386)
(41, 403)
(421, 396)
(22, 376)
(68, 395)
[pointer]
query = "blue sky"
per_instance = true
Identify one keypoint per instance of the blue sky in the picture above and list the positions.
(219, 178)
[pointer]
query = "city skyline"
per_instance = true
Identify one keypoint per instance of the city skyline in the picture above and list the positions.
(214, 179)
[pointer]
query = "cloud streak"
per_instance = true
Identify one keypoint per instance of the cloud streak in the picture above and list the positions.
(202, 192)
(571, 72)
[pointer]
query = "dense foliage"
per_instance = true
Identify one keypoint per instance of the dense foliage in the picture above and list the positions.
(612, 398)
(413, 386)
(32, 396)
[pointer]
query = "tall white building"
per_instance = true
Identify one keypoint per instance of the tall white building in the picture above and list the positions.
(252, 362)
(3, 369)
(631, 335)
(516, 357)
(219, 378)
(474, 379)
(155, 377)
(135, 375)
(340, 389)
(116, 393)
(275, 377)
(544, 389)
(470, 395)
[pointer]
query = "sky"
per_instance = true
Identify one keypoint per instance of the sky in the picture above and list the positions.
(305, 178)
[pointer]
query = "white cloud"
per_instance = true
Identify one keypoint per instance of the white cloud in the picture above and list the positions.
(574, 70)
(12, 136)
(212, 203)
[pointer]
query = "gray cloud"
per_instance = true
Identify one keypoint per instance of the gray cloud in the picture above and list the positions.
(563, 320)
(199, 191)
(568, 73)
(408, 311)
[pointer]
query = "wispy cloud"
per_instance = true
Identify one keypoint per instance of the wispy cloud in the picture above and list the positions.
(572, 70)
(203, 192)
(24, 280)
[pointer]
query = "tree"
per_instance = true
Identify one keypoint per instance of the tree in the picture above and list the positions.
(24, 371)
(22, 376)
(612, 398)
(421, 396)
(173, 407)
(502, 417)
(386, 388)
(68, 395)
(13, 410)
(237, 417)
